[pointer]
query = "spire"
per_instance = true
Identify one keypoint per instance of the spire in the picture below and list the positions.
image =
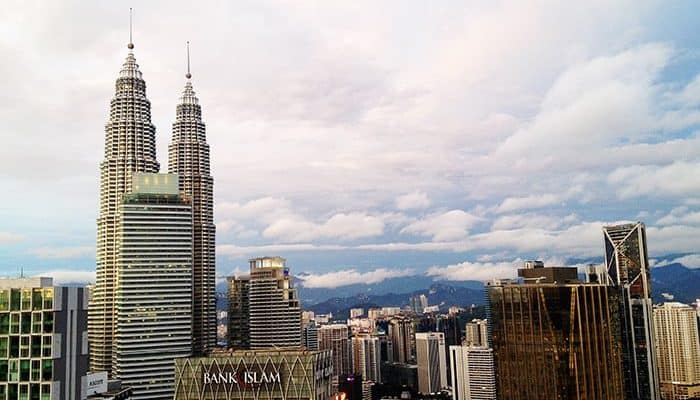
(131, 42)
(188, 75)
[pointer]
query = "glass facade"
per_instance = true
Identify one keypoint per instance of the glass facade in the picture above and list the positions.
(556, 341)
(26, 338)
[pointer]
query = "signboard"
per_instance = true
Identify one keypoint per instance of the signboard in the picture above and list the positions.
(93, 383)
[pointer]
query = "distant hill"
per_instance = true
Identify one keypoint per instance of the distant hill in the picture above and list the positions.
(676, 279)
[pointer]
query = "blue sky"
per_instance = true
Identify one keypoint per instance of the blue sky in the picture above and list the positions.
(454, 139)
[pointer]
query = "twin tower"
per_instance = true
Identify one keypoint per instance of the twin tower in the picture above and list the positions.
(129, 153)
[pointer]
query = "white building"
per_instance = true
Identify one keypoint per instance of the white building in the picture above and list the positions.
(153, 296)
(432, 363)
(678, 347)
(473, 376)
(366, 357)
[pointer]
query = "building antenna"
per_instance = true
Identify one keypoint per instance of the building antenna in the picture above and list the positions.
(188, 75)
(131, 42)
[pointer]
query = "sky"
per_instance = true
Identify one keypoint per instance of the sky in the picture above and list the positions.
(363, 140)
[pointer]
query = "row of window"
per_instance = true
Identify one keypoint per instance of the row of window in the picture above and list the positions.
(25, 391)
(26, 299)
(26, 346)
(26, 371)
(15, 323)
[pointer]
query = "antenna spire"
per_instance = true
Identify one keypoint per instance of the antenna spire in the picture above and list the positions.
(131, 42)
(188, 75)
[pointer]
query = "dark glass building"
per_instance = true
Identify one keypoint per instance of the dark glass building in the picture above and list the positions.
(555, 337)
(627, 265)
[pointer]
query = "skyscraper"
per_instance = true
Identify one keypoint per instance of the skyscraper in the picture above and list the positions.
(153, 297)
(431, 360)
(402, 337)
(366, 357)
(238, 312)
(188, 156)
(555, 337)
(130, 146)
(476, 333)
(275, 311)
(678, 348)
(627, 267)
(473, 374)
(335, 337)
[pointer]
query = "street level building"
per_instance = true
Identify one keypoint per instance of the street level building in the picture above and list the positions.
(43, 339)
(153, 296)
(678, 348)
(283, 374)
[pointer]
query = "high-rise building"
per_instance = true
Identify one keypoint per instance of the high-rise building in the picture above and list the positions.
(554, 337)
(43, 342)
(153, 296)
(238, 312)
(130, 146)
(275, 311)
(188, 156)
(310, 336)
(678, 348)
(357, 312)
(627, 266)
(351, 385)
(366, 357)
(335, 337)
(473, 373)
(419, 303)
(476, 333)
(431, 360)
(402, 337)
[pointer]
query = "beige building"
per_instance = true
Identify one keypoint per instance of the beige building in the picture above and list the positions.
(335, 337)
(678, 347)
(432, 362)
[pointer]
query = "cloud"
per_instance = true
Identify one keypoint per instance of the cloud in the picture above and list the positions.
(351, 277)
(677, 179)
(680, 216)
(475, 271)
(690, 261)
(53, 253)
(69, 276)
(340, 226)
(538, 200)
(412, 201)
(9, 237)
(444, 226)
(272, 249)
(516, 221)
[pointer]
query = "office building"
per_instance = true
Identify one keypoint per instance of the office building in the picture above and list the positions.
(554, 338)
(284, 374)
(627, 265)
(335, 337)
(238, 312)
(473, 373)
(275, 311)
(419, 303)
(400, 375)
(130, 147)
(357, 312)
(476, 333)
(402, 337)
(153, 296)
(366, 357)
(43, 339)
(678, 348)
(188, 156)
(310, 336)
(431, 360)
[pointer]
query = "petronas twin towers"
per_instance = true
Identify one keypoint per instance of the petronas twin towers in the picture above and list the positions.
(130, 148)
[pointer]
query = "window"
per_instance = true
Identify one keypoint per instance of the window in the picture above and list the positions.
(24, 370)
(14, 299)
(36, 322)
(4, 323)
(48, 299)
(4, 301)
(4, 344)
(46, 346)
(36, 372)
(48, 322)
(3, 371)
(46, 392)
(14, 370)
(47, 370)
(26, 322)
(36, 346)
(26, 299)
(24, 347)
(14, 323)
(14, 346)
(37, 299)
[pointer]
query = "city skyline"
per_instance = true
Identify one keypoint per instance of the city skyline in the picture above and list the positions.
(307, 118)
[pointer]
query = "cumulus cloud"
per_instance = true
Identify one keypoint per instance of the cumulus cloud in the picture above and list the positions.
(672, 180)
(515, 221)
(53, 253)
(339, 226)
(477, 271)
(272, 249)
(352, 276)
(444, 226)
(538, 200)
(412, 201)
(680, 216)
